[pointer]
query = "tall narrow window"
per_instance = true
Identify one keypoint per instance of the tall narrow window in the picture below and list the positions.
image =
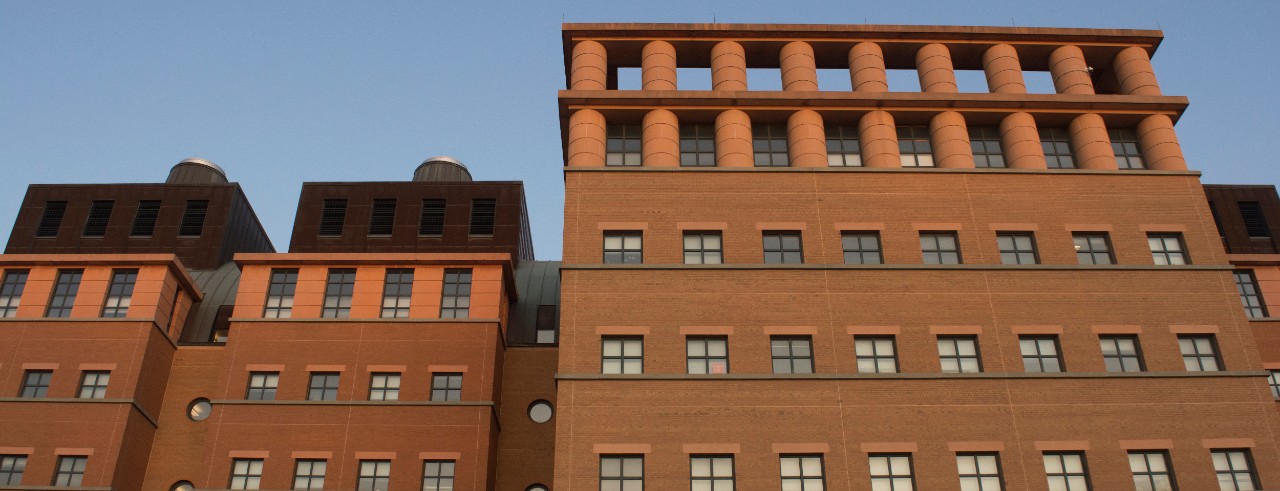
(1151, 471)
(914, 148)
(323, 386)
(545, 325)
(1200, 353)
(940, 248)
(280, 293)
(697, 145)
(308, 474)
(64, 293)
(382, 218)
(1066, 471)
(1121, 353)
(843, 148)
(769, 142)
(707, 354)
(711, 472)
(483, 213)
(702, 248)
(15, 281)
(623, 248)
(622, 145)
(1017, 248)
(1093, 248)
(876, 354)
(262, 386)
(1168, 249)
(802, 472)
(437, 475)
(1040, 353)
(1217, 221)
(384, 387)
(891, 472)
(446, 387)
(397, 292)
(782, 247)
(621, 355)
(1254, 221)
(51, 219)
(621, 472)
(93, 384)
(1056, 142)
(119, 293)
(70, 470)
(979, 471)
(1273, 380)
(144, 220)
(11, 469)
(99, 217)
(959, 354)
(1235, 470)
(1124, 142)
(861, 247)
(985, 141)
(375, 475)
(337, 294)
(455, 299)
(791, 354)
(35, 384)
(193, 218)
(333, 216)
(431, 219)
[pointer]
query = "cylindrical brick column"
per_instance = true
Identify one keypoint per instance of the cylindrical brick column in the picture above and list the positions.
(1004, 71)
(1091, 143)
(806, 139)
(950, 140)
(1020, 140)
(728, 66)
(1133, 70)
(879, 139)
(866, 68)
(590, 68)
(1070, 71)
(933, 63)
(799, 71)
(586, 139)
(1160, 146)
(658, 66)
(733, 139)
(660, 139)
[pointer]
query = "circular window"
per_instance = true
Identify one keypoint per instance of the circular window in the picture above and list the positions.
(182, 486)
(536, 487)
(540, 412)
(199, 409)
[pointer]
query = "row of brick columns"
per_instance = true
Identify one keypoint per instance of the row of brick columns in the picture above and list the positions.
(1067, 65)
(806, 141)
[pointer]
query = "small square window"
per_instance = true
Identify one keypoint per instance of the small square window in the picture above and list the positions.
(623, 248)
(843, 148)
(891, 472)
(707, 355)
(1168, 249)
(622, 145)
(791, 354)
(375, 475)
(70, 471)
(1040, 354)
(262, 386)
(1200, 353)
(876, 354)
(621, 472)
(1056, 142)
(985, 141)
(1093, 248)
(93, 384)
(144, 220)
(437, 475)
(333, 217)
(959, 354)
(782, 248)
(246, 474)
(914, 148)
(484, 212)
(323, 386)
(1121, 353)
(1151, 471)
(697, 145)
(940, 247)
(309, 474)
(1066, 471)
(35, 384)
(446, 387)
(621, 355)
(769, 141)
(382, 218)
(1235, 470)
(1017, 248)
(703, 248)
(11, 469)
(711, 473)
(384, 387)
(802, 472)
(51, 218)
(979, 472)
(1124, 142)
(99, 216)
(861, 247)
(193, 218)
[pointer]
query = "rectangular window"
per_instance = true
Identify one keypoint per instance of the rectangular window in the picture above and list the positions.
(262, 386)
(437, 475)
(338, 290)
(985, 141)
(431, 219)
(70, 471)
(144, 220)
(1151, 471)
(959, 354)
(1056, 142)
(375, 475)
(1200, 353)
(623, 248)
(119, 293)
(193, 218)
(702, 248)
(979, 471)
(1066, 471)
(245, 474)
(940, 247)
(1235, 470)
(397, 292)
(1040, 354)
(64, 293)
(1122, 353)
(843, 147)
(483, 215)
(891, 472)
(711, 473)
(15, 281)
(769, 142)
(802, 472)
(620, 355)
(99, 216)
(1168, 249)
(697, 145)
(545, 325)
(280, 294)
(333, 216)
(384, 387)
(382, 218)
(309, 474)
(861, 247)
(446, 387)
(782, 247)
(35, 383)
(1017, 248)
(1093, 248)
(875, 354)
(455, 299)
(93, 384)
(1124, 142)
(1246, 284)
(11, 469)
(707, 355)
(791, 354)
(1254, 221)
(323, 386)
(622, 145)
(1273, 380)
(51, 219)
(621, 472)
(914, 148)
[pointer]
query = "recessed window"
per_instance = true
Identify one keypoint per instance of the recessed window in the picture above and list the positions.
(621, 472)
(914, 148)
(323, 386)
(985, 141)
(891, 472)
(940, 247)
(1017, 248)
(1246, 285)
(338, 291)
(1235, 470)
(64, 293)
(1066, 471)
(711, 472)
(483, 216)
(769, 142)
(861, 247)
(1121, 353)
(70, 470)
(622, 145)
(455, 299)
(1151, 470)
(397, 292)
(843, 147)
(446, 387)
(333, 217)
(1124, 142)
(119, 293)
(280, 290)
(99, 216)
(697, 145)
(384, 387)
(959, 354)
(437, 475)
(93, 384)
(308, 474)
(193, 218)
(802, 472)
(1273, 380)
(1056, 142)
(382, 218)
(375, 475)
(11, 469)
(622, 355)
(1200, 353)
(545, 325)
(707, 355)
(1168, 249)
(262, 386)
(144, 220)
(1255, 223)
(35, 383)
(15, 281)
(702, 248)
(540, 411)
(1093, 248)
(979, 472)
(782, 247)
(1040, 354)
(51, 218)
(623, 248)
(875, 354)
(245, 474)
(431, 219)
(791, 354)
(199, 409)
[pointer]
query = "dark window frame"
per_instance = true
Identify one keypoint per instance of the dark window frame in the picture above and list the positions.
(712, 477)
(35, 384)
(980, 475)
(484, 217)
(790, 356)
(438, 475)
(624, 145)
(384, 386)
(1273, 380)
(1134, 362)
(145, 219)
(333, 217)
(446, 386)
(51, 219)
(697, 145)
(62, 299)
(1255, 219)
(1039, 357)
(308, 481)
(397, 293)
(455, 295)
(1128, 150)
(622, 476)
(119, 293)
(844, 146)
(934, 252)
(982, 140)
(95, 382)
(893, 477)
(622, 253)
(379, 473)
(1086, 244)
(95, 225)
(774, 243)
(1250, 470)
(1059, 152)
(1164, 253)
(766, 138)
(1214, 354)
(876, 358)
(12, 285)
(382, 217)
(250, 472)
(262, 386)
(959, 358)
(12, 467)
(804, 480)
(1019, 251)
(1149, 476)
(282, 284)
(854, 244)
(431, 218)
(701, 250)
(1255, 307)
(323, 386)
(339, 291)
(1066, 475)
(706, 358)
(915, 149)
(625, 359)
(194, 215)
(70, 470)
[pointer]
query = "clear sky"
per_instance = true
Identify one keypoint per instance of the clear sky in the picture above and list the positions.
(281, 92)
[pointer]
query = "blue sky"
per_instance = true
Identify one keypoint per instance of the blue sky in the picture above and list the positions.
(284, 92)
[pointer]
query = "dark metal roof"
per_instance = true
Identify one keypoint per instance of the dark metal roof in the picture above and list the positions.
(219, 287)
(537, 283)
